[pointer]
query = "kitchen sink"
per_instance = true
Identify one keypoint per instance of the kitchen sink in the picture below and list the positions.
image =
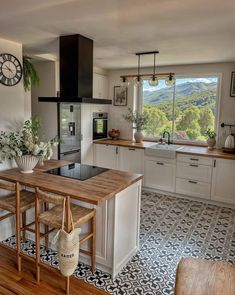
(163, 150)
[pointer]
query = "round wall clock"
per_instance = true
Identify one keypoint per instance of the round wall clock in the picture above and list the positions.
(10, 69)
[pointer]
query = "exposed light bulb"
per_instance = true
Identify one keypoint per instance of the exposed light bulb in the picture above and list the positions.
(153, 81)
(170, 81)
(124, 82)
(138, 81)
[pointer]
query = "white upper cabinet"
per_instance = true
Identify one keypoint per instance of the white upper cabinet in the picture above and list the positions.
(131, 159)
(223, 181)
(100, 86)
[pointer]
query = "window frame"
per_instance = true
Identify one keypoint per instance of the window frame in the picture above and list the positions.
(217, 107)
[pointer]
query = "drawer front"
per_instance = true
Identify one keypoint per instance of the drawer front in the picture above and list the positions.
(194, 171)
(193, 188)
(194, 159)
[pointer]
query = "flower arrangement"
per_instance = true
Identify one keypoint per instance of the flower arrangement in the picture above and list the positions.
(26, 141)
(138, 119)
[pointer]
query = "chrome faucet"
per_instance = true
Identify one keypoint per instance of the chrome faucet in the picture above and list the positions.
(168, 136)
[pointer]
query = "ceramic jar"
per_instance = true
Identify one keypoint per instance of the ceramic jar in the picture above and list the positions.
(138, 135)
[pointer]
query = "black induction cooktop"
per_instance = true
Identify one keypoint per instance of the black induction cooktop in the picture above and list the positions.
(77, 171)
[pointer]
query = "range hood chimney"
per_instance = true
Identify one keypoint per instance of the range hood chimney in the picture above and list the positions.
(76, 71)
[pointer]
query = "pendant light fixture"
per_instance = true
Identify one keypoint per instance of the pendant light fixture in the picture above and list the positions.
(154, 80)
(124, 82)
(170, 81)
(153, 77)
(138, 79)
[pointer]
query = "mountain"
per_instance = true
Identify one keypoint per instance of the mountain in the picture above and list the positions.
(188, 89)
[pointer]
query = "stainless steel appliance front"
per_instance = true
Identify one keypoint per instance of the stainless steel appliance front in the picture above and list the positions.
(100, 125)
(70, 132)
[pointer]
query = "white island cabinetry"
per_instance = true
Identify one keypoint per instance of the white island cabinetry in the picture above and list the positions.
(117, 237)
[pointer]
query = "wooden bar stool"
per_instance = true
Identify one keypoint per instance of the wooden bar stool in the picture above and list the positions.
(204, 277)
(16, 202)
(53, 219)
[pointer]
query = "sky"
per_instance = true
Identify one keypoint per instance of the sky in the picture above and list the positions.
(179, 81)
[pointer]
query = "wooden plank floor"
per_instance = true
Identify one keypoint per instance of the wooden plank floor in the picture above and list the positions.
(23, 283)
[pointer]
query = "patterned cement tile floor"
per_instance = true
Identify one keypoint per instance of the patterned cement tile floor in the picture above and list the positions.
(171, 228)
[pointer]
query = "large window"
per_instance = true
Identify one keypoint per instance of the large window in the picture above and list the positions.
(186, 109)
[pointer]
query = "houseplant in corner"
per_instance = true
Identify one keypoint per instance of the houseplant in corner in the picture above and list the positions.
(211, 141)
(139, 120)
(30, 75)
(25, 146)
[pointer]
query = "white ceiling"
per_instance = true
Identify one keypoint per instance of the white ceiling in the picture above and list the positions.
(184, 31)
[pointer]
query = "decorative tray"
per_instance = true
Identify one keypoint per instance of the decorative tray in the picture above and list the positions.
(228, 150)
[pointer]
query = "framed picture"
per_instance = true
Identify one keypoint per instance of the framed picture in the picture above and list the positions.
(120, 96)
(232, 86)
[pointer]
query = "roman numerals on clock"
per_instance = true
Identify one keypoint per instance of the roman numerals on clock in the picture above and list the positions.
(10, 70)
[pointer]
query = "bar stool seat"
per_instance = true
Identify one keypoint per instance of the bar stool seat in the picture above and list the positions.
(53, 216)
(27, 200)
(16, 202)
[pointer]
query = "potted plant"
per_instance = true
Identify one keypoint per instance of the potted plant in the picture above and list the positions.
(30, 75)
(139, 120)
(25, 146)
(211, 141)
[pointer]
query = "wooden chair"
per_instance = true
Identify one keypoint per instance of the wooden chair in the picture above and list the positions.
(204, 277)
(16, 202)
(52, 218)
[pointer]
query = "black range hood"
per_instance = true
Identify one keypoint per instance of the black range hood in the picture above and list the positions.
(76, 71)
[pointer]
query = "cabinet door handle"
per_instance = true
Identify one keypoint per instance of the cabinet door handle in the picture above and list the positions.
(191, 181)
(194, 159)
(193, 165)
(160, 163)
(131, 149)
(116, 150)
(214, 163)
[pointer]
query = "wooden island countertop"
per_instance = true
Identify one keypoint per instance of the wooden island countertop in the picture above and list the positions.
(94, 190)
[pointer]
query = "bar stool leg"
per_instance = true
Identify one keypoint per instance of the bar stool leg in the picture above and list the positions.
(18, 244)
(93, 243)
(24, 224)
(67, 285)
(46, 227)
(37, 238)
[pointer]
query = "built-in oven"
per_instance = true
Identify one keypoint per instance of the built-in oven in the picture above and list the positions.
(100, 125)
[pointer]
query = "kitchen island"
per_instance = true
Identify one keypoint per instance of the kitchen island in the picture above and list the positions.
(116, 197)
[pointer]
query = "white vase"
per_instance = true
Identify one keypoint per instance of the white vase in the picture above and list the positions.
(138, 135)
(211, 143)
(26, 163)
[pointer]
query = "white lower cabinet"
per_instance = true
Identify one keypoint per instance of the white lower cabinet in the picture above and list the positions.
(159, 173)
(194, 176)
(106, 156)
(223, 181)
(131, 159)
(193, 188)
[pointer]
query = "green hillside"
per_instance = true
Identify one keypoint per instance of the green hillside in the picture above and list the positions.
(194, 110)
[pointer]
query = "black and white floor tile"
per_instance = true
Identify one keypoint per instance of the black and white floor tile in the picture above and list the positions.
(171, 228)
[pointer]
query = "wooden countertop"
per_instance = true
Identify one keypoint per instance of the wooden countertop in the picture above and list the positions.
(187, 149)
(125, 143)
(94, 190)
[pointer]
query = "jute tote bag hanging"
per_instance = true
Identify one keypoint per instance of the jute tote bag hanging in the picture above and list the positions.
(67, 247)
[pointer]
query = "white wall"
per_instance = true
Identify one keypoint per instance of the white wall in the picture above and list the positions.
(227, 103)
(13, 110)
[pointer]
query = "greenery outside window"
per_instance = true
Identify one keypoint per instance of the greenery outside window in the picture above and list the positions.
(186, 109)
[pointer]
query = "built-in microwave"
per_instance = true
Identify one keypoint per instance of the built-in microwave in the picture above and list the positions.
(100, 125)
